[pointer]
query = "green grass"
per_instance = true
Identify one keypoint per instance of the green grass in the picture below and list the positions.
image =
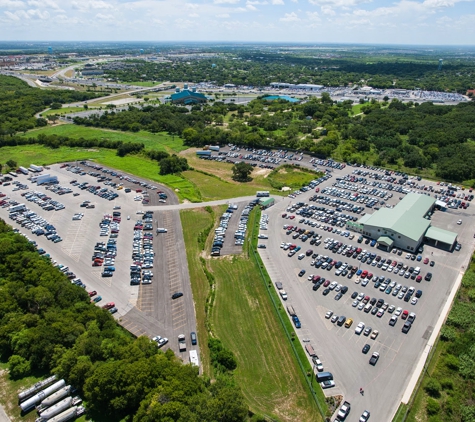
(143, 83)
(213, 188)
(64, 110)
(193, 222)
(159, 141)
(292, 177)
(133, 164)
(357, 108)
(245, 321)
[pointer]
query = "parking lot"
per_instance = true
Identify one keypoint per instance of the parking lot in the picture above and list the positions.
(143, 309)
(339, 348)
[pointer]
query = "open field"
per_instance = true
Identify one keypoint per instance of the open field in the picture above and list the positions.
(61, 111)
(213, 188)
(143, 83)
(133, 164)
(245, 321)
(194, 222)
(159, 141)
(291, 177)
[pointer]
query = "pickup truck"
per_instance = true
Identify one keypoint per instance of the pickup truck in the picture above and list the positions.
(344, 411)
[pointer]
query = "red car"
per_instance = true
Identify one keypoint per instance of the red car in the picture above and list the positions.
(404, 314)
(109, 305)
(327, 283)
(364, 274)
(97, 264)
(284, 215)
(93, 293)
(426, 261)
(292, 217)
(317, 190)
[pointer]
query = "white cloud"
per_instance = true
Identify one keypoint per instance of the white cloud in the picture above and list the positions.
(222, 15)
(278, 2)
(192, 6)
(226, 1)
(251, 7)
(11, 4)
(91, 4)
(256, 2)
(313, 16)
(290, 17)
(183, 23)
(327, 10)
(103, 17)
(43, 3)
(193, 15)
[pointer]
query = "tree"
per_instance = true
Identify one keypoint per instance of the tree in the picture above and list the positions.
(241, 172)
(55, 106)
(18, 367)
(11, 164)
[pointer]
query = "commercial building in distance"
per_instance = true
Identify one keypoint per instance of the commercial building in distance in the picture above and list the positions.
(187, 97)
(406, 226)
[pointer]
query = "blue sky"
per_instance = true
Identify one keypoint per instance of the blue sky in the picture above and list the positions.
(437, 22)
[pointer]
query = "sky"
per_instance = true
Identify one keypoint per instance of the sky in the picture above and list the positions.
(428, 22)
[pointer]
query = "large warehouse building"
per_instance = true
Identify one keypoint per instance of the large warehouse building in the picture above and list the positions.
(405, 226)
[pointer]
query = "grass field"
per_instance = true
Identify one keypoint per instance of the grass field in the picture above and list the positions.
(245, 320)
(143, 83)
(292, 177)
(159, 141)
(64, 110)
(133, 164)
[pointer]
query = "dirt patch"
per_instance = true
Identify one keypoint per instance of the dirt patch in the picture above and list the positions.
(92, 150)
(261, 172)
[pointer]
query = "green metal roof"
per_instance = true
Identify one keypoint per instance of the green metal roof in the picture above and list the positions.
(385, 240)
(267, 201)
(406, 218)
(441, 235)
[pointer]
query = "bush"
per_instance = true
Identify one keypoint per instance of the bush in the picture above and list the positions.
(18, 367)
(451, 362)
(433, 388)
(447, 384)
(432, 407)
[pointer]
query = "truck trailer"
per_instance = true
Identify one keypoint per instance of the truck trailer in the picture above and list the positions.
(68, 415)
(38, 386)
(49, 401)
(36, 168)
(33, 401)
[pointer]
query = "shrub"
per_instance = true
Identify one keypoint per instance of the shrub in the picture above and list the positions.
(432, 407)
(18, 367)
(452, 362)
(447, 384)
(433, 388)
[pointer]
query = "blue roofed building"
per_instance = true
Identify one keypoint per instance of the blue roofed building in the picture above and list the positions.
(187, 96)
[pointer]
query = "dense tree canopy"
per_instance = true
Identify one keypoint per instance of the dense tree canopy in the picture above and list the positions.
(19, 103)
(49, 325)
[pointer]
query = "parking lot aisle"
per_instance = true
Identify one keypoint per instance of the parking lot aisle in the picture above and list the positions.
(75, 238)
(145, 300)
(229, 247)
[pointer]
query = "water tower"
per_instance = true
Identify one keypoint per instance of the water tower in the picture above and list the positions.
(50, 50)
(440, 64)
(213, 65)
(141, 51)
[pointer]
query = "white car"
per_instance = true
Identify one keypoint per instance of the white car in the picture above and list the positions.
(359, 328)
(318, 364)
(414, 300)
(459, 222)
(329, 314)
(355, 303)
(398, 311)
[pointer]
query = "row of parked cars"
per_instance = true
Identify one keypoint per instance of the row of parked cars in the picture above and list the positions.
(37, 224)
(42, 200)
(142, 251)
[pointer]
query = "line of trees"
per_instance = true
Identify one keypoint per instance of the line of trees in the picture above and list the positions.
(260, 68)
(48, 325)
